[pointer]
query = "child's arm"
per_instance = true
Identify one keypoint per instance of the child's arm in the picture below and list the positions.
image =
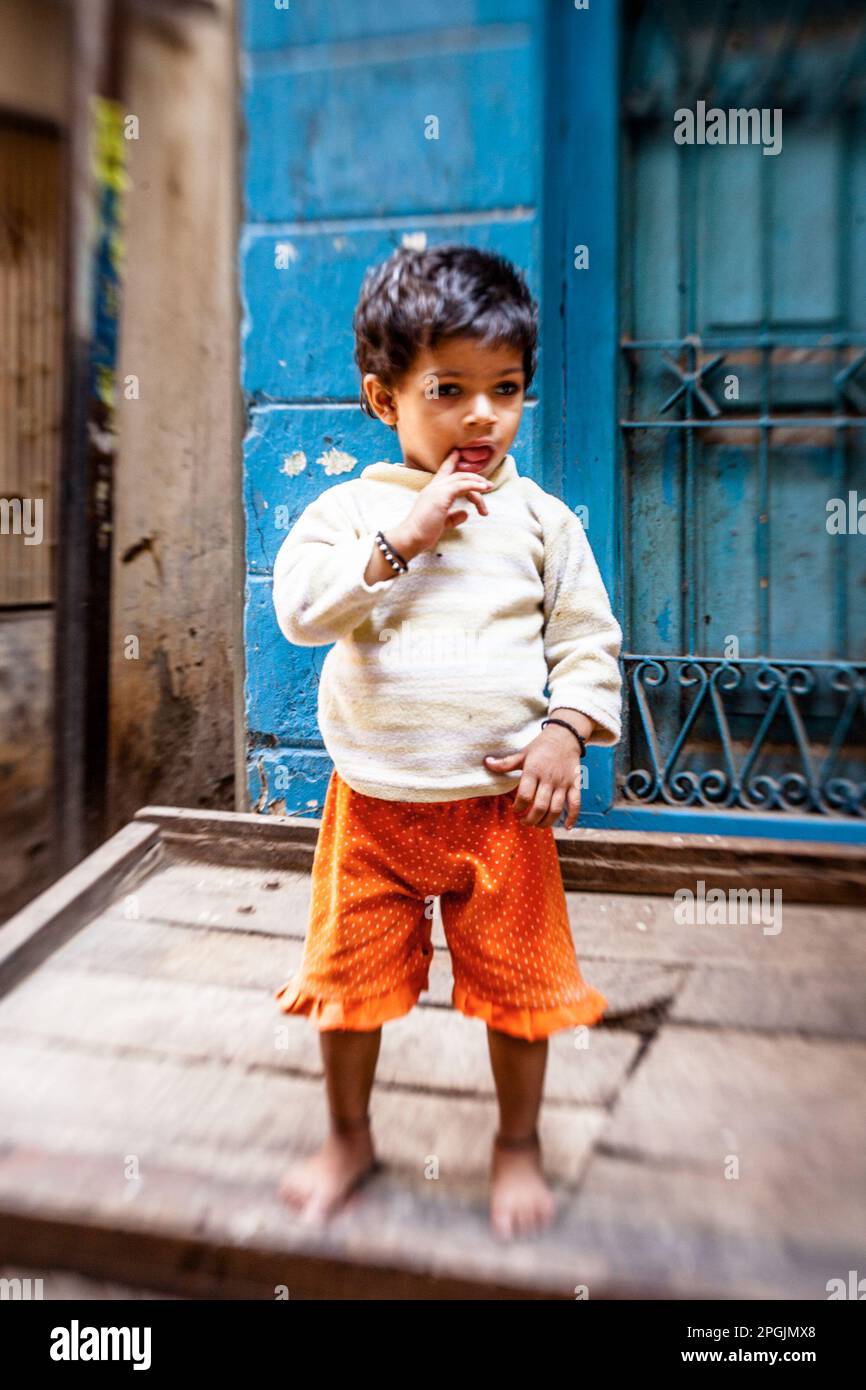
(582, 638)
(328, 577)
(320, 591)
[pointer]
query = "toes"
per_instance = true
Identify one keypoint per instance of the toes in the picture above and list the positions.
(528, 1218)
(544, 1209)
(295, 1188)
(503, 1223)
(315, 1213)
(291, 1194)
(522, 1218)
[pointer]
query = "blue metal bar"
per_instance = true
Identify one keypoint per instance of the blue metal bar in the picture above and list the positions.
(762, 521)
(760, 338)
(694, 821)
(747, 661)
(841, 440)
(830, 422)
(552, 219)
(693, 589)
(583, 81)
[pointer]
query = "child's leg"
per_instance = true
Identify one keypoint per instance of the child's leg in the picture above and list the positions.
(350, 1061)
(316, 1186)
(366, 961)
(518, 1071)
(520, 1200)
(506, 921)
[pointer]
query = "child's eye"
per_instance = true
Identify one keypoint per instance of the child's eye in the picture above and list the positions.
(509, 388)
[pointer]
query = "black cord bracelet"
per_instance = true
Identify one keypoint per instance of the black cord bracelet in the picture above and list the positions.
(394, 558)
(581, 740)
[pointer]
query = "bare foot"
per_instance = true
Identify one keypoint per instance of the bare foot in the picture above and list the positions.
(520, 1200)
(316, 1187)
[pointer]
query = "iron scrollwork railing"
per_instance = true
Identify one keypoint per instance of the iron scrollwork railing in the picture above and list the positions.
(803, 756)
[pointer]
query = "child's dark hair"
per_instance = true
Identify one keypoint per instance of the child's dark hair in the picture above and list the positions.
(415, 298)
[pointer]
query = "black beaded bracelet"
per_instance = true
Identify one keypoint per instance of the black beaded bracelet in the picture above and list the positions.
(394, 558)
(581, 740)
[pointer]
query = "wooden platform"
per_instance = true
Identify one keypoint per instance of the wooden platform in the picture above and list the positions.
(710, 1141)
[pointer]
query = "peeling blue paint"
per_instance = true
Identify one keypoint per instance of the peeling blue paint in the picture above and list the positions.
(663, 623)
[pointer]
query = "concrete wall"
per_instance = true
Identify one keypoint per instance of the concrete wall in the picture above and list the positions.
(177, 583)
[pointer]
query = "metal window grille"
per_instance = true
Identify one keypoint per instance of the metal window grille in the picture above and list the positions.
(743, 402)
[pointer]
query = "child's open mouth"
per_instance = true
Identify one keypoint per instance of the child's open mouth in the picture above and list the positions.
(475, 457)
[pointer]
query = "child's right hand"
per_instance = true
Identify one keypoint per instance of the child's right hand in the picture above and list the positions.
(435, 512)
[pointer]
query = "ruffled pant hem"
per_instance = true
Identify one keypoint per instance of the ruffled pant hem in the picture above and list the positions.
(354, 1015)
(531, 1024)
(365, 1015)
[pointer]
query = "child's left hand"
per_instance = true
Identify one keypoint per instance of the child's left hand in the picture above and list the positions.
(551, 776)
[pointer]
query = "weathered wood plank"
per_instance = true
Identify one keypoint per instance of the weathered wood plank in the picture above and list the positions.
(234, 837)
(133, 1107)
(210, 1238)
(250, 826)
(786, 992)
(632, 1231)
(829, 1001)
(174, 951)
(636, 861)
(255, 903)
(255, 960)
(276, 902)
(149, 1029)
(624, 926)
(50, 919)
(661, 862)
(666, 1230)
(427, 1049)
(791, 1111)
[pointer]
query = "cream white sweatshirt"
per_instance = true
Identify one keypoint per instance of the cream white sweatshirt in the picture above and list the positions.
(435, 668)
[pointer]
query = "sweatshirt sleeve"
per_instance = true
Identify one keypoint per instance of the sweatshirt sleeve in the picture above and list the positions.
(319, 590)
(582, 638)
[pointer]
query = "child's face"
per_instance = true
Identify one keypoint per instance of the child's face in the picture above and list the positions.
(450, 397)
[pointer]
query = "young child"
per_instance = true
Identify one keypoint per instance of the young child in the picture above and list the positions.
(453, 590)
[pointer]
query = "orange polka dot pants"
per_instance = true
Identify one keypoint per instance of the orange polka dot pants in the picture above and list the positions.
(378, 864)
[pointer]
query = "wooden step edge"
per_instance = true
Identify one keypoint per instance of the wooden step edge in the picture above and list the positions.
(234, 838)
(173, 1261)
(647, 862)
(242, 825)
